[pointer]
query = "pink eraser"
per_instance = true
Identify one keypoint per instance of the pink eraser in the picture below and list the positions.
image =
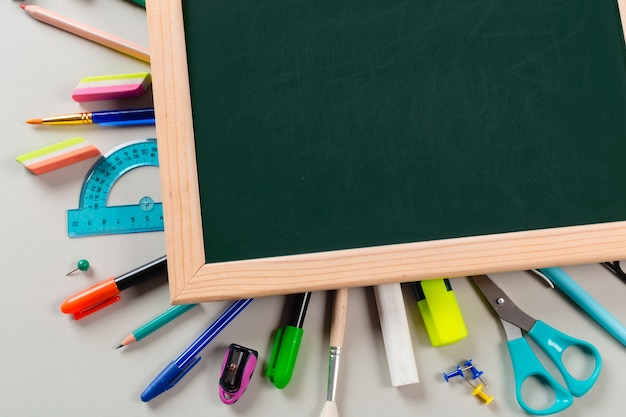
(112, 87)
(58, 155)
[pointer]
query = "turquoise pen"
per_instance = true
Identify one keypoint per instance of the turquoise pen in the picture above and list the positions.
(585, 301)
(156, 323)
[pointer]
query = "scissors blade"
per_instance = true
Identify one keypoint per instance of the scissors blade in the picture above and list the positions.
(511, 330)
(504, 307)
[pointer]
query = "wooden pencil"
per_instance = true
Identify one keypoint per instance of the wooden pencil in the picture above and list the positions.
(87, 32)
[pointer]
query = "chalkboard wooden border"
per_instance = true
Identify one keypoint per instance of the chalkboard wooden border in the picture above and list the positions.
(191, 279)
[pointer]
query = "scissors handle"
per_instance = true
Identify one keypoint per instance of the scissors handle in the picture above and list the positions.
(526, 365)
(554, 343)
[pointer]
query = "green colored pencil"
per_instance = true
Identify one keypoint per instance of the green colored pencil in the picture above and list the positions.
(156, 323)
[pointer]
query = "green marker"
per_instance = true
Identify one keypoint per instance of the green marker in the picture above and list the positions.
(141, 3)
(156, 323)
(287, 343)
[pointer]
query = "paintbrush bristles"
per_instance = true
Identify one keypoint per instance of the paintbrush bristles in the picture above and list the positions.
(338, 320)
(329, 410)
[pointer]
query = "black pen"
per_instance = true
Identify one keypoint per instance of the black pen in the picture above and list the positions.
(616, 269)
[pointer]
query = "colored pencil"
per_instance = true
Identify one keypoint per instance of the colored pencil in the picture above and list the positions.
(87, 32)
(156, 323)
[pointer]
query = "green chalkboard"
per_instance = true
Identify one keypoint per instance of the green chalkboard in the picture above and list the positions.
(324, 124)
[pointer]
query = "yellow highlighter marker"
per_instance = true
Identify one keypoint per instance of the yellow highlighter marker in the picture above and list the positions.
(440, 311)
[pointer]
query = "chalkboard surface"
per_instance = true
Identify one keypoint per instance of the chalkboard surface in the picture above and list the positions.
(337, 124)
(329, 125)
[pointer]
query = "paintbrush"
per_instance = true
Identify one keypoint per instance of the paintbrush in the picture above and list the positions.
(337, 330)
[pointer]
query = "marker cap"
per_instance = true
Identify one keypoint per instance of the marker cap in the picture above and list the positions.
(440, 311)
(284, 354)
(92, 299)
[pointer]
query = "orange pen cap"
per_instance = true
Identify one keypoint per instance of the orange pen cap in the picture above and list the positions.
(92, 299)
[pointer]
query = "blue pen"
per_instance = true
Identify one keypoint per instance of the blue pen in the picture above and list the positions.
(585, 301)
(177, 369)
(130, 117)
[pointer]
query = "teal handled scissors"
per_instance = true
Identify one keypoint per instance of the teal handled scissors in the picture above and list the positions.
(551, 341)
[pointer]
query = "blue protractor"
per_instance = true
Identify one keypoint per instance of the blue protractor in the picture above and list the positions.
(94, 217)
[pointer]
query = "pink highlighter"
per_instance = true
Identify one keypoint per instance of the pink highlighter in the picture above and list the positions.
(237, 369)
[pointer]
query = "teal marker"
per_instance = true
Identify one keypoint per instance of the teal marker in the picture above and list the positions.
(287, 343)
(585, 301)
(156, 323)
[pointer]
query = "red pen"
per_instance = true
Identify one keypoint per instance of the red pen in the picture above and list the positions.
(108, 291)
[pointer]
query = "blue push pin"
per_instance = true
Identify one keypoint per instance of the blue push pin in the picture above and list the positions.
(457, 372)
(468, 365)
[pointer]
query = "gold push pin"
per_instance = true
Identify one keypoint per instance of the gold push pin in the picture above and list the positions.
(478, 392)
(82, 265)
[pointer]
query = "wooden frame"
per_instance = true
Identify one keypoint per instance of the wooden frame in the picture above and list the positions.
(192, 280)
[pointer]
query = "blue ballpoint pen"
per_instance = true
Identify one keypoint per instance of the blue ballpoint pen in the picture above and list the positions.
(585, 301)
(177, 369)
(130, 117)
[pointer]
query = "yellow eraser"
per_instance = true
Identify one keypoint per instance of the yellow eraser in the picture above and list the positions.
(58, 155)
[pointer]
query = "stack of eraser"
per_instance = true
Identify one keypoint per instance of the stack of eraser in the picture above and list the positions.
(58, 155)
(112, 87)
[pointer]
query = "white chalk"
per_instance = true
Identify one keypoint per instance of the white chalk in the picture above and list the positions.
(396, 334)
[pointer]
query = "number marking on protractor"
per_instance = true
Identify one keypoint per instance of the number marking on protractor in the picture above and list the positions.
(94, 217)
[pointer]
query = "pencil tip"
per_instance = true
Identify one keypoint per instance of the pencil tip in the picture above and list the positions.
(34, 121)
(119, 346)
